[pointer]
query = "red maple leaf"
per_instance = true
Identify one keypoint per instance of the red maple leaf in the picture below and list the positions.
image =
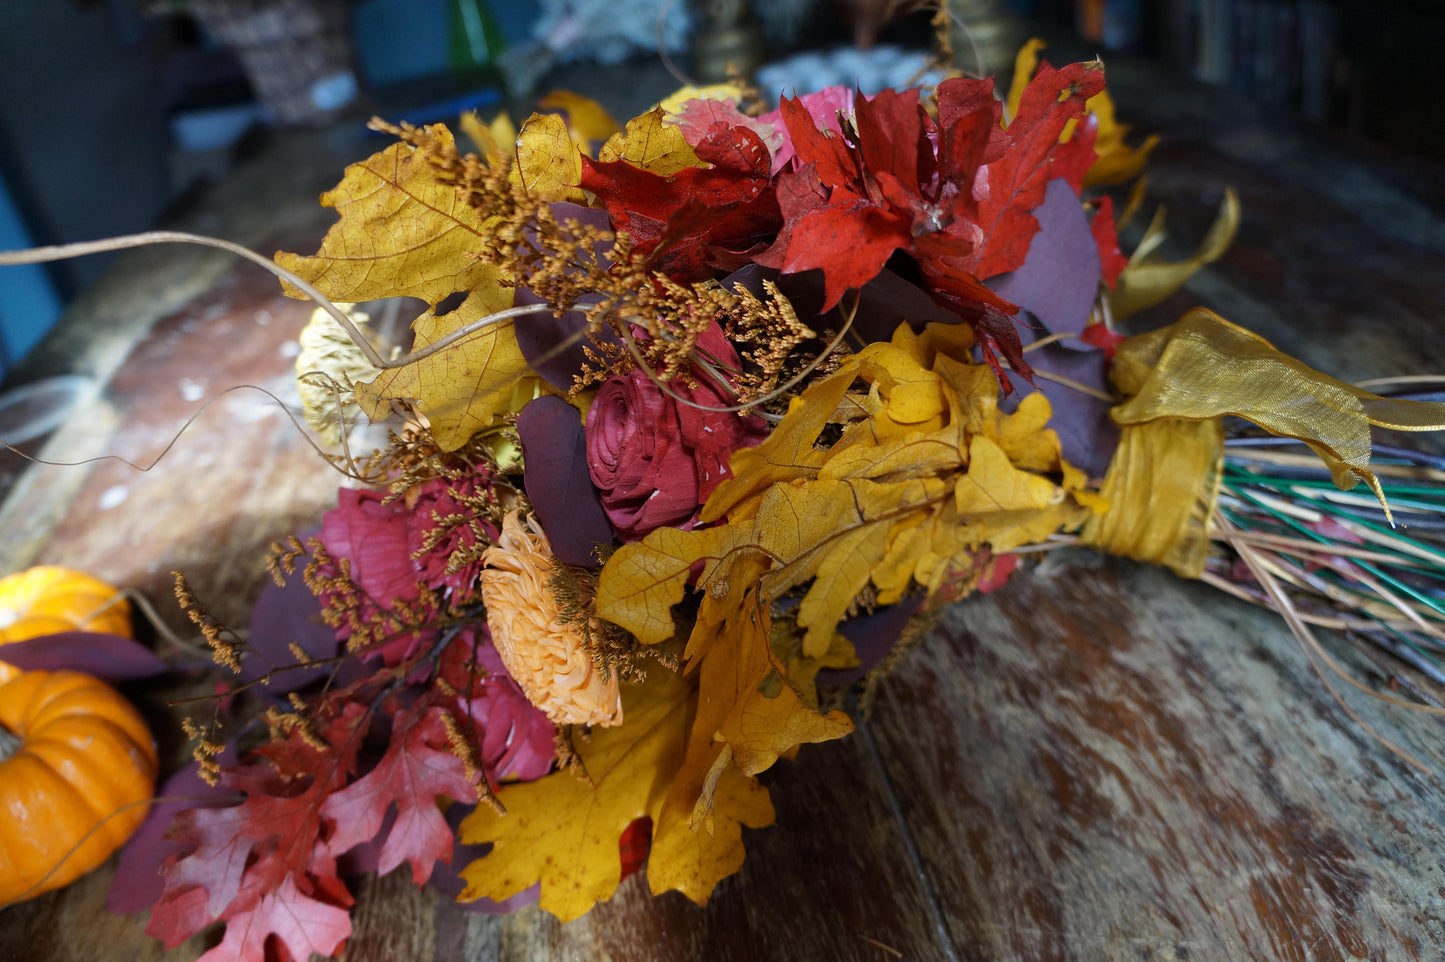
(995, 570)
(1106, 237)
(634, 845)
(1099, 335)
(1018, 179)
(417, 770)
(957, 198)
(700, 115)
(689, 223)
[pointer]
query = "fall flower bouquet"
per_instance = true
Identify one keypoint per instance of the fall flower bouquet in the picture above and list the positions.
(708, 418)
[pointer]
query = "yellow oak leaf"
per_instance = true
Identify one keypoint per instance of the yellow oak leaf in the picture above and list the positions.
(403, 232)
(651, 144)
(954, 341)
(831, 532)
(1024, 437)
(972, 393)
(546, 162)
(1116, 162)
(563, 830)
(846, 534)
(994, 484)
(871, 508)
(786, 454)
(693, 861)
(463, 388)
(639, 592)
(748, 715)
(751, 706)
(895, 571)
(802, 670)
(916, 455)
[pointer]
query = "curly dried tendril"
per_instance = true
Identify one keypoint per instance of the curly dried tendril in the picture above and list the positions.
(40, 255)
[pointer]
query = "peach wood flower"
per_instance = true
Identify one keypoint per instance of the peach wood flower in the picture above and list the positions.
(548, 659)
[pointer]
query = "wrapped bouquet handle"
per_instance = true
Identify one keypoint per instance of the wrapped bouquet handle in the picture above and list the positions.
(1179, 383)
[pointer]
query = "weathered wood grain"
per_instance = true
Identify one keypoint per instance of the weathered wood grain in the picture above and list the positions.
(1121, 765)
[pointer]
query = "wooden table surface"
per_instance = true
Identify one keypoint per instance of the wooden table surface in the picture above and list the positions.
(1100, 761)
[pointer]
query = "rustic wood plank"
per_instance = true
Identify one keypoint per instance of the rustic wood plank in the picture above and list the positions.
(1114, 763)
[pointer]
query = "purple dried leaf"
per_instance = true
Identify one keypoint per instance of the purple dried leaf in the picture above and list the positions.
(1060, 277)
(541, 336)
(106, 656)
(282, 616)
(554, 452)
(873, 636)
(1087, 435)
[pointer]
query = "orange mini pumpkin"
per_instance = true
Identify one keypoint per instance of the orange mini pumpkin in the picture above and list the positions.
(72, 752)
(46, 600)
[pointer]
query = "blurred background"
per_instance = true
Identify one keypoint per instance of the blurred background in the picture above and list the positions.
(114, 113)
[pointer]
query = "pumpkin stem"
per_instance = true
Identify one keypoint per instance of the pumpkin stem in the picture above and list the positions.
(9, 743)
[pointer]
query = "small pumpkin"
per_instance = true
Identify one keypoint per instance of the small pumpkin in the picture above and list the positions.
(48, 599)
(72, 752)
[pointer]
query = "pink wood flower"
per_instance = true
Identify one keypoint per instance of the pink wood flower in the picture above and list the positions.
(654, 459)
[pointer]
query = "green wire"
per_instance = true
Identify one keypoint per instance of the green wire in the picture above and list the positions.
(1367, 566)
(1392, 491)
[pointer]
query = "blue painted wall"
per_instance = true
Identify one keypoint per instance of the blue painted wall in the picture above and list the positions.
(28, 302)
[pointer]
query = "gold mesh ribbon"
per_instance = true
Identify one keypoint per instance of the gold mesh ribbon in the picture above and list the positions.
(1163, 480)
(1161, 487)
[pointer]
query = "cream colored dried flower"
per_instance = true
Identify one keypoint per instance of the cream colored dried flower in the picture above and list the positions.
(327, 366)
(549, 660)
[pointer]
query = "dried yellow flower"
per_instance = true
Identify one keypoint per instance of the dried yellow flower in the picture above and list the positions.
(548, 659)
(326, 368)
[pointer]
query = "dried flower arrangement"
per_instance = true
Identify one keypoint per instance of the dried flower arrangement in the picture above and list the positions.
(724, 416)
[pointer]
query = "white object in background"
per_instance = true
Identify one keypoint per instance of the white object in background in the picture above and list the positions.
(879, 68)
(28, 412)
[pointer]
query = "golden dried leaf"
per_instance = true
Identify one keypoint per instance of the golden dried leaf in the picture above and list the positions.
(867, 509)
(562, 830)
(1148, 280)
(492, 140)
(748, 716)
(789, 453)
(463, 388)
(1117, 162)
(403, 232)
(587, 119)
(547, 163)
(650, 143)
(672, 104)
(693, 861)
